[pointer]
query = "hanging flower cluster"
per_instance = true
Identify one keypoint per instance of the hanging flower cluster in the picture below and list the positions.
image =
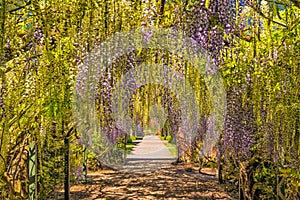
(240, 128)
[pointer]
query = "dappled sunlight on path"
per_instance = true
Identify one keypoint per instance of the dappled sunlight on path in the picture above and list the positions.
(172, 182)
(149, 174)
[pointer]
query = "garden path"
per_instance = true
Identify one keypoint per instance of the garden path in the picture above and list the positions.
(149, 174)
(149, 154)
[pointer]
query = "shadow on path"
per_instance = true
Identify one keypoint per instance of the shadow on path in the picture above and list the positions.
(173, 182)
(149, 174)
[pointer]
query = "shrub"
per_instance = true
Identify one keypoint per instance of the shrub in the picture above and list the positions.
(169, 138)
(130, 139)
(133, 137)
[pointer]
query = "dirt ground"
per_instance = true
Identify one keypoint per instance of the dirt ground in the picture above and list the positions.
(171, 182)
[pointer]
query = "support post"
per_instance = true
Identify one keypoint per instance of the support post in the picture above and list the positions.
(67, 168)
(220, 178)
(125, 152)
(84, 165)
(32, 171)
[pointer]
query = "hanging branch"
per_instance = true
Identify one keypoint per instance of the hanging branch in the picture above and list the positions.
(19, 8)
(3, 26)
(162, 8)
(259, 11)
(296, 3)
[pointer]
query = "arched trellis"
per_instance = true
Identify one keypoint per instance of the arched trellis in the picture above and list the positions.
(121, 44)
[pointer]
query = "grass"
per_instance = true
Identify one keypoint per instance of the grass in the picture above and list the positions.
(129, 146)
(172, 149)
